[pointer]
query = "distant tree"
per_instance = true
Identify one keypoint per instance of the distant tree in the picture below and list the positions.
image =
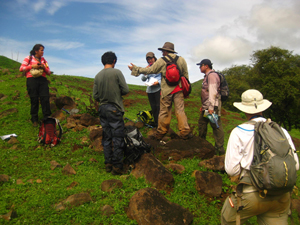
(237, 79)
(276, 74)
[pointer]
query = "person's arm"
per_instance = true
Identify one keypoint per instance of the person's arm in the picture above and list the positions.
(233, 155)
(45, 66)
(122, 84)
(95, 91)
(26, 65)
(155, 68)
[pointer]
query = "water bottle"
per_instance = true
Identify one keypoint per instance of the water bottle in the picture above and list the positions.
(212, 117)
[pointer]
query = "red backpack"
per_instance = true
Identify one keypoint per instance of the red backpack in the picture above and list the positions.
(172, 72)
(47, 132)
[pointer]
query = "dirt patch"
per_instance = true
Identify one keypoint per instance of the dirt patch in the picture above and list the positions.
(136, 92)
(80, 88)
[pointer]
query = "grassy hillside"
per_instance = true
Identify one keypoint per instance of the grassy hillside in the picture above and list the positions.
(29, 162)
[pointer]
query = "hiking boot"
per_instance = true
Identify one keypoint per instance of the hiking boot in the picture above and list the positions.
(189, 136)
(108, 167)
(116, 171)
(35, 124)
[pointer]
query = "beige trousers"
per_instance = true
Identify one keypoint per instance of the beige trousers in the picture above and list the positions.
(164, 118)
(270, 210)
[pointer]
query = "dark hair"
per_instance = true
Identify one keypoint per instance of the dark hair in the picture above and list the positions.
(109, 58)
(210, 66)
(36, 48)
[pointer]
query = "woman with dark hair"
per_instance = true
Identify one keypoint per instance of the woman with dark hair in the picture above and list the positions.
(36, 68)
(153, 91)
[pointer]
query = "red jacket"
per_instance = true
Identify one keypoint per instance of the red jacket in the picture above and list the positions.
(28, 66)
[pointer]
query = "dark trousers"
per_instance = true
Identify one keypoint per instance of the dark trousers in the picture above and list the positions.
(154, 100)
(38, 90)
(112, 123)
(217, 132)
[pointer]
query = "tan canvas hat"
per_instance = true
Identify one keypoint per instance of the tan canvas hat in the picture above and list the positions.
(150, 55)
(168, 46)
(252, 102)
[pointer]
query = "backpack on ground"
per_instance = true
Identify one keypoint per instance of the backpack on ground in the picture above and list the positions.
(223, 89)
(135, 146)
(47, 132)
(146, 117)
(172, 72)
(273, 168)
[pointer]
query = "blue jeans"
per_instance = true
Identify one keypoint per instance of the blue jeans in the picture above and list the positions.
(112, 123)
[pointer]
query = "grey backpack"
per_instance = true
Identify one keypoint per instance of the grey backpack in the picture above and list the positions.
(273, 168)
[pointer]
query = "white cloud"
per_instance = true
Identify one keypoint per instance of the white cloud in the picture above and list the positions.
(223, 50)
(64, 45)
(39, 5)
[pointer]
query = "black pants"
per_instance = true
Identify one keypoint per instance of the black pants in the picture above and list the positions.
(38, 90)
(112, 122)
(154, 100)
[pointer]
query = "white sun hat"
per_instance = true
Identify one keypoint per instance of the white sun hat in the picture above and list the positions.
(252, 102)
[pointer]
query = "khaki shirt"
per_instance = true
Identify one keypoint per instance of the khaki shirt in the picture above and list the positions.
(160, 67)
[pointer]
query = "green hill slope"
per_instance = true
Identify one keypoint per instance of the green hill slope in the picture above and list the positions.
(29, 162)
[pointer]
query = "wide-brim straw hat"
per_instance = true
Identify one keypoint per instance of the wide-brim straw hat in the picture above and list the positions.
(169, 47)
(252, 102)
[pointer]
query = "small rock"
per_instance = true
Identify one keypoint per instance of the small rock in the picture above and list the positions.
(39, 181)
(110, 185)
(108, 210)
(73, 184)
(4, 178)
(54, 164)
(67, 170)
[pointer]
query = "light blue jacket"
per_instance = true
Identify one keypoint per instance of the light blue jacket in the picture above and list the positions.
(153, 88)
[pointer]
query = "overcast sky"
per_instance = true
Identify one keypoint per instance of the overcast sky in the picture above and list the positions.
(76, 33)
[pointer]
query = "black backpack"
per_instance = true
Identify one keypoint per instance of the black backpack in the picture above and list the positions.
(224, 89)
(135, 146)
(172, 72)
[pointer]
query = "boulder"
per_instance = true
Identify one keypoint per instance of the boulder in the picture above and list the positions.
(95, 133)
(296, 206)
(65, 102)
(153, 171)
(59, 114)
(97, 145)
(178, 149)
(208, 183)
(88, 120)
(73, 200)
(175, 167)
(139, 124)
(147, 206)
(110, 185)
(216, 163)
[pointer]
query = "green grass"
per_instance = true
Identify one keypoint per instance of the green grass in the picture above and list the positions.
(34, 201)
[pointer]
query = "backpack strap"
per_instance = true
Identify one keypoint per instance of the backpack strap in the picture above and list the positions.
(60, 128)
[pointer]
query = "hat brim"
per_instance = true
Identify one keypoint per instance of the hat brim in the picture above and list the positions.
(250, 109)
(168, 50)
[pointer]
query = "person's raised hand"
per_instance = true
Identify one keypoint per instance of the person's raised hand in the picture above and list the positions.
(131, 66)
